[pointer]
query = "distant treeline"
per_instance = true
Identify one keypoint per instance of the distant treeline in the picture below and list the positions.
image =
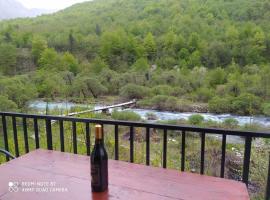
(169, 54)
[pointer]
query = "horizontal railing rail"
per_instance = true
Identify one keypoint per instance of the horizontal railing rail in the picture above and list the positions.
(49, 120)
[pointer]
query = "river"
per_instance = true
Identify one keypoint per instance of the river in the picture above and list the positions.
(62, 107)
(40, 106)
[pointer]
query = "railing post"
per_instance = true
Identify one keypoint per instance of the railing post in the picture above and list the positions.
(267, 196)
(25, 134)
(49, 134)
(183, 149)
(4, 125)
(74, 136)
(248, 141)
(15, 136)
(116, 143)
(223, 156)
(147, 146)
(88, 135)
(165, 149)
(36, 133)
(62, 137)
(131, 132)
(202, 152)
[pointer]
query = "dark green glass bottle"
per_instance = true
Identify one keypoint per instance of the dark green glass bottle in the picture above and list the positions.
(99, 163)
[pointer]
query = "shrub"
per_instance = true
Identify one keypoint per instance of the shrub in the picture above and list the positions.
(266, 109)
(246, 104)
(171, 104)
(132, 91)
(204, 94)
(196, 119)
(162, 90)
(230, 123)
(126, 115)
(159, 102)
(6, 104)
(220, 105)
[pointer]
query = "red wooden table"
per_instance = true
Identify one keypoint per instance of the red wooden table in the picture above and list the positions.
(50, 175)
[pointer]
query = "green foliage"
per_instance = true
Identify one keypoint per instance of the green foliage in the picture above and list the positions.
(8, 54)
(196, 119)
(88, 86)
(230, 123)
(49, 59)
(7, 105)
(170, 55)
(246, 104)
(220, 105)
(141, 65)
(132, 91)
(18, 89)
(150, 46)
(38, 46)
(162, 90)
(125, 115)
(217, 77)
(70, 63)
(266, 109)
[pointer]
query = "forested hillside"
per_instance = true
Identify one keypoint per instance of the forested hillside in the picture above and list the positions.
(213, 55)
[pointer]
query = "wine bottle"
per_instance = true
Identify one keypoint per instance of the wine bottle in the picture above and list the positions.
(99, 163)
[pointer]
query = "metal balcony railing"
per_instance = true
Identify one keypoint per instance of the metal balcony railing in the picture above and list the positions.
(247, 135)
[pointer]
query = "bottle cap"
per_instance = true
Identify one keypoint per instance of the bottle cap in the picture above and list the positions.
(98, 131)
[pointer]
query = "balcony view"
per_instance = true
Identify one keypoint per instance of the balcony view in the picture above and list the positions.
(128, 99)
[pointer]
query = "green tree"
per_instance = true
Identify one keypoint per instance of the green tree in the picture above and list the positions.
(70, 63)
(88, 86)
(8, 55)
(38, 46)
(50, 60)
(7, 105)
(150, 46)
(141, 65)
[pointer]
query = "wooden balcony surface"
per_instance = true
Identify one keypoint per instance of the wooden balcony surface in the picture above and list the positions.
(67, 176)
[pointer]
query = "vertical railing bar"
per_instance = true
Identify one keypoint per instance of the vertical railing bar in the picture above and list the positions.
(165, 149)
(49, 134)
(267, 196)
(25, 134)
(74, 131)
(131, 132)
(88, 135)
(202, 152)
(15, 136)
(116, 141)
(62, 137)
(4, 126)
(36, 132)
(223, 155)
(147, 146)
(183, 151)
(246, 163)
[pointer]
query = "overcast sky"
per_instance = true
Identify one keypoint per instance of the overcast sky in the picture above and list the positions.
(49, 4)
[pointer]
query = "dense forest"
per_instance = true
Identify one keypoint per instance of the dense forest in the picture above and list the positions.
(204, 55)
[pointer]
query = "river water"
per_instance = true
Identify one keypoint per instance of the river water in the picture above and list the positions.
(40, 106)
(63, 107)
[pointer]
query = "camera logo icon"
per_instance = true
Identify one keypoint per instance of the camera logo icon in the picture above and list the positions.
(13, 186)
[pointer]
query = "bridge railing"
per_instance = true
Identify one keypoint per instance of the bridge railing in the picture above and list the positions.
(247, 135)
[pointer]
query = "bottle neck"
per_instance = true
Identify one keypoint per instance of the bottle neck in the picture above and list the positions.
(99, 141)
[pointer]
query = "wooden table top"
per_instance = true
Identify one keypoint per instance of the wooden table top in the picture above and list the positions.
(44, 174)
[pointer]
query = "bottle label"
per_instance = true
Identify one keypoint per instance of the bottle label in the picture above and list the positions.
(95, 174)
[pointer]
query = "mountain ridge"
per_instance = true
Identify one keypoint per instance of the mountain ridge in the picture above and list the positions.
(11, 9)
